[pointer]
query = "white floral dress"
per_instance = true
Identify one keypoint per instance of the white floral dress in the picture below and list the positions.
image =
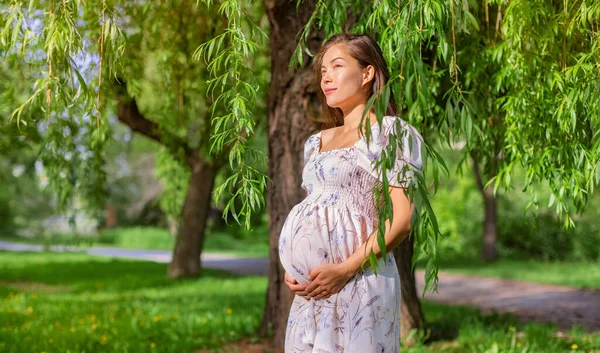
(335, 218)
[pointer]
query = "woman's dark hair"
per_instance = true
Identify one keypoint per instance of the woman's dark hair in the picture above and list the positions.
(366, 51)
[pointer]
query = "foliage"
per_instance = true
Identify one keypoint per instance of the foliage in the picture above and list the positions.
(521, 235)
(82, 48)
(175, 179)
(517, 81)
(227, 56)
(22, 200)
(457, 206)
(83, 303)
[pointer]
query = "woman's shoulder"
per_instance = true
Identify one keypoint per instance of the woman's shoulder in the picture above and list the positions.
(391, 124)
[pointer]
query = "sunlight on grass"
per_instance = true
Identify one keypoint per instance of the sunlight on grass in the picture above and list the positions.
(78, 303)
(120, 306)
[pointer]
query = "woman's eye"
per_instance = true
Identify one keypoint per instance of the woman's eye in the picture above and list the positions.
(334, 66)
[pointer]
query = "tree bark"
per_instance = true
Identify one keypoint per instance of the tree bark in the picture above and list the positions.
(490, 222)
(411, 313)
(292, 105)
(190, 238)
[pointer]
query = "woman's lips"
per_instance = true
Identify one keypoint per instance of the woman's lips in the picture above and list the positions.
(329, 90)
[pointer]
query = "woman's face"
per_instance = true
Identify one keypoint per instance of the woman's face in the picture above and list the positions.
(343, 81)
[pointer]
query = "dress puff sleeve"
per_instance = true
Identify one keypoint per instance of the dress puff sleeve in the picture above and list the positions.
(408, 154)
(310, 146)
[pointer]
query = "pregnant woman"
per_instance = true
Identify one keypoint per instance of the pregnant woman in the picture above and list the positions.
(339, 306)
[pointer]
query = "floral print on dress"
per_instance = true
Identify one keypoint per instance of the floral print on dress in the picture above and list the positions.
(337, 216)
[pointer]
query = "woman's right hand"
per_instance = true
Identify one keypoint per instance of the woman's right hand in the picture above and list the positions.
(298, 289)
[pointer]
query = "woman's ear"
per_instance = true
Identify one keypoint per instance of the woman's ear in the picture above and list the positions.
(368, 75)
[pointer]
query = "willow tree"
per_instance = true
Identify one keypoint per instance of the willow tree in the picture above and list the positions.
(516, 81)
(91, 62)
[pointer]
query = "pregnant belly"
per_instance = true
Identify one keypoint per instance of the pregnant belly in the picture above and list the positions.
(313, 235)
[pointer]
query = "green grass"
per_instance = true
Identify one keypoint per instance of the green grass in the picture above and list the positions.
(575, 274)
(79, 303)
(253, 245)
(464, 330)
(65, 302)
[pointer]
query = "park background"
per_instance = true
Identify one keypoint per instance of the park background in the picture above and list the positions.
(85, 168)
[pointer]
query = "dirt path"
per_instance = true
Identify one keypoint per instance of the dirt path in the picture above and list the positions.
(564, 306)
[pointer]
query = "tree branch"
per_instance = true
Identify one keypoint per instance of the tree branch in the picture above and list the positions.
(129, 114)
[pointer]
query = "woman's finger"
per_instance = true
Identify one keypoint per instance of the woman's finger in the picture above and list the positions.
(321, 295)
(297, 287)
(288, 278)
(313, 287)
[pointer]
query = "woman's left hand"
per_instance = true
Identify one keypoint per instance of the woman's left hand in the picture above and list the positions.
(327, 280)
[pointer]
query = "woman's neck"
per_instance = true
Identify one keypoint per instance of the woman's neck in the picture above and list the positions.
(353, 116)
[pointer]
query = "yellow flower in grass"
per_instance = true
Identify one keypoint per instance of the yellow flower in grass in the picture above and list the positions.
(72, 329)
(29, 309)
(33, 295)
(518, 344)
(94, 326)
(574, 346)
(50, 340)
(104, 339)
(157, 318)
(152, 345)
(229, 311)
(204, 320)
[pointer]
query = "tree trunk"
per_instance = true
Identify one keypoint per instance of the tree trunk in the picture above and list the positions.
(490, 228)
(292, 105)
(411, 315)
(190, 238)
(291, 97)
(111, 216)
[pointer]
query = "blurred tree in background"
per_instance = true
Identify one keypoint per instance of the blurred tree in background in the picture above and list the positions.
(153, 85)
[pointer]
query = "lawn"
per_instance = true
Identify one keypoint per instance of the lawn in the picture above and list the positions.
(74, 303)
(79, 303)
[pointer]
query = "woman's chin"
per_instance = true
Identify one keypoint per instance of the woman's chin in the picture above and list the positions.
(333, 103)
